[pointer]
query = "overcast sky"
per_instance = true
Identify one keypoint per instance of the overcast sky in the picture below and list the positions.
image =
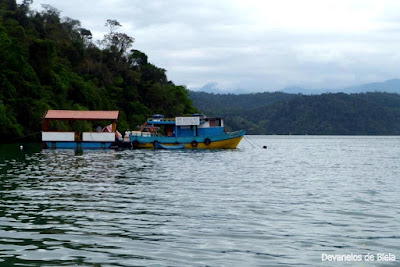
(255, 45)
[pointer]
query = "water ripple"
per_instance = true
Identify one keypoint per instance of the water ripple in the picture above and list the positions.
(286, 205)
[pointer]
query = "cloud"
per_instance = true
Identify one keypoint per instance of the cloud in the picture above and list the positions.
(255, 45)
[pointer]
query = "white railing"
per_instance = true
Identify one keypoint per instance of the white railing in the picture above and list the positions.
(58, 136)
(139, 133)
(98, 137)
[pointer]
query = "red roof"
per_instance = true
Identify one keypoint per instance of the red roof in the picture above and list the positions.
(81, 115)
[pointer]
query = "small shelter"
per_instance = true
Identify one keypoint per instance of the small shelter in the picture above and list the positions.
(86, 115)
(91, 139)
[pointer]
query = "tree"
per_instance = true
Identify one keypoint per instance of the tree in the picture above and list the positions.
(86, 36)
(120, 41)
(112, 24)
(115, 41)
(137, 58)
(71, 28)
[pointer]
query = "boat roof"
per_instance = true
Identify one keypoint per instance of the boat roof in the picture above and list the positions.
(81, 115)
(172, 121)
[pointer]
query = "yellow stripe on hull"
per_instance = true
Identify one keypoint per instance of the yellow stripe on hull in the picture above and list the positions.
(229, 143)
(223, 144)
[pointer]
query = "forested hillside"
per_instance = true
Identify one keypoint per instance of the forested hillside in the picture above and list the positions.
(50, 62)
(330, 114)
(233, 103)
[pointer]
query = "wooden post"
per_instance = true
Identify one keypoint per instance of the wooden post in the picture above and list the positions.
(45, 125)
(114, 126)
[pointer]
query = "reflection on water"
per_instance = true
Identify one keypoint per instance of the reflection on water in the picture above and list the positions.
(286, 205)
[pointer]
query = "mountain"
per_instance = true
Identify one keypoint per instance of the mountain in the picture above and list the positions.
(213, 87)
(325, 114)
(389, 86)
(301, 90)
(331, 114)
(209, 88)
(220, 104)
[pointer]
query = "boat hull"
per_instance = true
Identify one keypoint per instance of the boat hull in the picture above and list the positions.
(224, 141)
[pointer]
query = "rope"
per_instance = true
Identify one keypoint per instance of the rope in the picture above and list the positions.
(253, 143)
(257, 144)
(245, 138)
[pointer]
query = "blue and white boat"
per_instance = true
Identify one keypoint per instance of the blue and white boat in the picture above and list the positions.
(194, 132)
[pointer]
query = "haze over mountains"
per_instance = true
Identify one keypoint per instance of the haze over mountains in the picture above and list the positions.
(389, 86)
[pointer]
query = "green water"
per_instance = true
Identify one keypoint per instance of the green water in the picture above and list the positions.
(286, 205)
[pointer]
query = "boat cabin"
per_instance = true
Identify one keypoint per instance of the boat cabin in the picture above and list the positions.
(196, 125)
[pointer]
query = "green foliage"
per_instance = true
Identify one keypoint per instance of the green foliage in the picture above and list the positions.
(42, 57)
(328, 114)
(137, 59)
(9, 127)
(48, 62)
(228, 104)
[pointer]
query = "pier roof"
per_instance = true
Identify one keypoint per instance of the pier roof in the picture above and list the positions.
(81, 115)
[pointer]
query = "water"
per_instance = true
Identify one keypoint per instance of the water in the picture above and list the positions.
(302, 197)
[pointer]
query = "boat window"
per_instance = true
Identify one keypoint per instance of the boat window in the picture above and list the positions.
(215, 123)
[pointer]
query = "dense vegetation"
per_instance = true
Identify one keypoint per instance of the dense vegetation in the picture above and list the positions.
(234, 103)
(49, 62)
(331, 114)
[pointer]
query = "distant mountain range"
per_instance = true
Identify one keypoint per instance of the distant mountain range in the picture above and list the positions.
(389, 86)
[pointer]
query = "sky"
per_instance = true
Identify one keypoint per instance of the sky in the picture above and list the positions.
(255, 45)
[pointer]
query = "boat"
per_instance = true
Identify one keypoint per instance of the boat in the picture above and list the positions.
(192, 132)
(103, 137)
